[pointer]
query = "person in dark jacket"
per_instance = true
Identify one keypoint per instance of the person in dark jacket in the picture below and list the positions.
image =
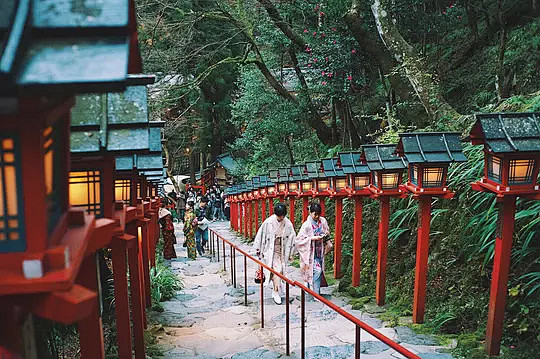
(201, 233)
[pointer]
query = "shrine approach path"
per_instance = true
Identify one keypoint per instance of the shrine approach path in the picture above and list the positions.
(208, 319)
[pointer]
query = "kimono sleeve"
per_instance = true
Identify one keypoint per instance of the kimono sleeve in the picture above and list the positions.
(257, 242)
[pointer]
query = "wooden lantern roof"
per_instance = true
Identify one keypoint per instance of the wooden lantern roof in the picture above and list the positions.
(382, 157)
(265, 181)
(315, 170)
(242, 188)
(273, 175)
(249, 185)
(351, 163)
(150, 161)
(331, 168)
(115, 122)
(256, 182)
(283, 174)
(299, 173)
(507, 132)
(431, 147)
(51, 45)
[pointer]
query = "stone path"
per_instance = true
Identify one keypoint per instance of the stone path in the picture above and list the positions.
(208, 319)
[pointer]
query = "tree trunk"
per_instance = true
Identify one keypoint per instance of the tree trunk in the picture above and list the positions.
(281, 24)
(170, 167)
(503, 88)
(422, 82)
(315, 120)
(374, 49)
(192, 178)
(289, 149)
(472, 20)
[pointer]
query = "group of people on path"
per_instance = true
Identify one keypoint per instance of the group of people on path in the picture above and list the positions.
(196, 219)
(276, 242)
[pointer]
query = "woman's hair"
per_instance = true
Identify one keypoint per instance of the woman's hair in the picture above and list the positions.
(280, 209)
(315, 207)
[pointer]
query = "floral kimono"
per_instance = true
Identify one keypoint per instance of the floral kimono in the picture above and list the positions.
(312, 252)
(167, 230)
(265, 243)
(189, 234)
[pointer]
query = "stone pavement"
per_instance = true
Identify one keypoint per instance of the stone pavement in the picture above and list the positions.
(208, 319)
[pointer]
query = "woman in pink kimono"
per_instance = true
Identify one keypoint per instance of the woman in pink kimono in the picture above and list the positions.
(273, 245)
(312, 244)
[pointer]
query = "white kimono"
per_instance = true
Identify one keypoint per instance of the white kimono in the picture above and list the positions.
(265, 239)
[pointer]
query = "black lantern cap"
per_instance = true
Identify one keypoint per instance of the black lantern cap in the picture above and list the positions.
(66, 46)
(298, 173)
(507, 132)
(331, 168)
(351, 163)
(382, 157)
(314, 169)
(431, 147)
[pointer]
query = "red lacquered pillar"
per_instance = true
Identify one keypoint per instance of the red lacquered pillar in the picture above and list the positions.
(422, 252)
(270, 206)
(90, 328)
(123, 327)
(256, 203)
(499, 275)
(263, 210)
(305, 204)
(322, 201)
(380, 293)
(145, 263)
(337, 246)
(250, 219)
(292, 209)
(357, 242)
(137, 306)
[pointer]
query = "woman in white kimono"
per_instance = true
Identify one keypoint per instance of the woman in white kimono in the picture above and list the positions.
(273, 245)
(312, 244)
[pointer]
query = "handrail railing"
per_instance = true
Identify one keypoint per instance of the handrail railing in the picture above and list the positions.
(357, 322)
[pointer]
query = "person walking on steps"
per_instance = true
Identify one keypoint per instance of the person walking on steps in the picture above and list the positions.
(167, 230)
(201, 233)
(312, 244)
(189, 231)
(273, 245)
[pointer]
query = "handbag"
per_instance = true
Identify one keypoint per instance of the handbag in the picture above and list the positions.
(259, 276)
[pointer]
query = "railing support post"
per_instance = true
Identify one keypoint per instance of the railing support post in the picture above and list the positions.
(287, 328)
(357, 343)
(262, 299)
(303, 325)
(245, 280)
(224, 258)
(217, 244)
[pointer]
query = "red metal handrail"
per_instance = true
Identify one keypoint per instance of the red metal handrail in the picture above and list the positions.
(357, 322)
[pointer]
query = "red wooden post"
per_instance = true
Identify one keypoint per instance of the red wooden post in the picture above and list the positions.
(499, 275)
(137, 307)
(256, 202)
(123, 328)
(357, 241)
(305, 204)
(337, 246)
(292, 210)
(145, 264)
(263, 210)
(250, 219)
(422, 251)
(382, 250)
(322, 201)
(270, 206)
(90, 328)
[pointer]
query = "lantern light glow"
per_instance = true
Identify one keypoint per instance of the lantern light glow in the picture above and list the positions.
(84, 190)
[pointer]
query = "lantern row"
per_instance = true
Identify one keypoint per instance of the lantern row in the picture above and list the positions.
(63, 196)
(512, 153)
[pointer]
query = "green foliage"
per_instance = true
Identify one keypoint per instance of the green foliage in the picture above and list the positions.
(163, 284)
